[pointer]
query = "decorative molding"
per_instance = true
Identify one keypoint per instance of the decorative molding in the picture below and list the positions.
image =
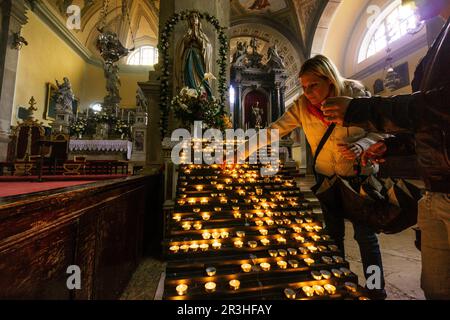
(402, 52)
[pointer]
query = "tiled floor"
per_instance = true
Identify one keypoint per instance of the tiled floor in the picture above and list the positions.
(401, 262)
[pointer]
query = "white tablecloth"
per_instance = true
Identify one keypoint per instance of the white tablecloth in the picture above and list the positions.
(102, 145)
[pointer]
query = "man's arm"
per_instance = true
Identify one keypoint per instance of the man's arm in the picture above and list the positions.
(398, 113)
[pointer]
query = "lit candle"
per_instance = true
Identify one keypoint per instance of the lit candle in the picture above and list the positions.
(273, 253)
(281, 240)
(216, 245)
(206, 216)
(265, 266)
(338, 259)
(211, 271)
(206, 235)
(234, 284)
(219, 187)
(308, 291)
(237, 215)
(204, 246)
(282, 231)
(252, 244)
(196, 210)
(217, 209)
(292, 251)
(282, 264)
(174, 249)
(289, 293)
(240, 234)
(330, 288)
(235, 208)
(308, 261)
(224, 234)
(210, 287)
(312, 249)
(293, 263)
(363, 298)
(191, 201)
(316, 275)
(249, 215)
(259, 223)
(181, 202)
(327, 260)
(269, 222)
(238, 244)
(319, 290)
(259, 214)
(204, 201)
(194, 247)
(184, 248)
(333, 247)
(346, 271)
(181, 289)
(350, 286)
(215, 235)
(246, 267)
(315, 237)
(186, 226)
(265, 241)
(263, 232)
(337, 273)
(177, 218)
(322, 248)
(325, 274)
(303, 250)
(197, 225)
(282, 252)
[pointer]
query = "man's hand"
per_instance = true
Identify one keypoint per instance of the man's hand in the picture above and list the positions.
(374, 154)
(350, 151)
(334, 109)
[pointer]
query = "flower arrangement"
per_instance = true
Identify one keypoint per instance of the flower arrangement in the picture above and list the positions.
(78, 127)
(194, 104)
(122, 128)
(163, 48)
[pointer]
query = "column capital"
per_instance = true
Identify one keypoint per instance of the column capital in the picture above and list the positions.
(16, 9)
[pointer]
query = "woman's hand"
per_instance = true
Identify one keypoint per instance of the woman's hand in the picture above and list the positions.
(375, 153)
(350, 151)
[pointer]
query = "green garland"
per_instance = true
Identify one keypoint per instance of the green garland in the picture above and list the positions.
(163, 48)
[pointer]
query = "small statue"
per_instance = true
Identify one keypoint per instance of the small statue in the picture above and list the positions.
(113, 83)
(240, 54)
(257, 112)
(110, 47)
(255, 57)
(64, 97)
(274, 59)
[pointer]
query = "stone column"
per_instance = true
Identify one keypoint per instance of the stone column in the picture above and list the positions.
(12, 19)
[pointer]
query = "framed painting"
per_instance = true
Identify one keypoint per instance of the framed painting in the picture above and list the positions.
(50, 104)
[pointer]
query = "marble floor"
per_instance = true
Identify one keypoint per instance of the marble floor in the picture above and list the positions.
(401, 262)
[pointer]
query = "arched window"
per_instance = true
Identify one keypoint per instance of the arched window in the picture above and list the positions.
(144, 56)
(96, 107)
(391, 24)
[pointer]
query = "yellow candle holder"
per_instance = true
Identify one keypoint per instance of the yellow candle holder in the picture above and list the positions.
(325, 274)
(234, 284)
(177, 218)
(312, 249)
(269, 213)
(199, 188)
(174, 249)
(210, 287)
(309, 261)
(319, 290)
(265, 241)
(273, 253)
(206, 235)
(350, 286)
(181, 289)
(194, 247)
(259, 223)
(211, 271)
(206, 216)
(204, 201)
(237, 215)
(204, 246)
(238, 244)
(330, 289)
(259, 214)
(309, 292)
(191, 201)
(234, 200)
(337, 273)
(215, 235)
(282, 231)
(281, 240)
(246, 267)
(290, 294)
(282, 252)
(252, 244)
(293, 263)
(263, 232)
(224, 234)
(269, 222)
(240, 234)
(184, 248)
(316, 275)
(292, 251)
(282, 264)
(197, 225)
(186, 226)
(216, 245)
(265, 266)
(299, 238)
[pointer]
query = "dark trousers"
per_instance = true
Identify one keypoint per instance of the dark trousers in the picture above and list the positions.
(364, 236)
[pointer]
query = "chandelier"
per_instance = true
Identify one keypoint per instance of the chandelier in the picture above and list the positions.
(392, 78)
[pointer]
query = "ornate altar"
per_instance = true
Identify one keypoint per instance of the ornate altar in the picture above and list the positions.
(259, 87)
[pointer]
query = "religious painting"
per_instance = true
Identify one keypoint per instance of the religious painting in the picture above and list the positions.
(256, 107)
(262, 6)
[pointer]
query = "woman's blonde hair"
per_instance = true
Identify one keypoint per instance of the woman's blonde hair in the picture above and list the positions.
(323, 67)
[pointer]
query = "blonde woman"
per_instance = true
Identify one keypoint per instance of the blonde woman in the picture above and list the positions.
(320, 80)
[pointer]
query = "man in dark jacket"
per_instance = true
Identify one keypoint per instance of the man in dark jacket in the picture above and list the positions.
(425, 114)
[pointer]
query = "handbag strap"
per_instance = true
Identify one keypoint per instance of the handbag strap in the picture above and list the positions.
(321, 144)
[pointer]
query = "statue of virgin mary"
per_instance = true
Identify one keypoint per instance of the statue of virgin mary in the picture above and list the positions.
(194, 57)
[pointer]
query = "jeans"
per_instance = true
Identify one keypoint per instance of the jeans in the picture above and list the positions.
(364, 236)
(434, 223)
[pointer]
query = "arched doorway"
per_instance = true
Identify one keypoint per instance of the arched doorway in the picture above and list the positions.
(255, 99)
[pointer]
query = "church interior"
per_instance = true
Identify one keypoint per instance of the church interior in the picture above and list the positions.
(93, 205)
